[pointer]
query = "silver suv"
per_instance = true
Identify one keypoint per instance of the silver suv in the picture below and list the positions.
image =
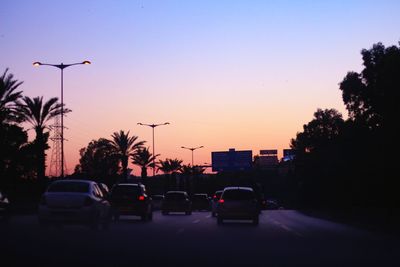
(238, 203)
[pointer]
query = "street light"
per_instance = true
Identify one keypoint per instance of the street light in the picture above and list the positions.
(153, 126)
(62, 66)
(193, 149)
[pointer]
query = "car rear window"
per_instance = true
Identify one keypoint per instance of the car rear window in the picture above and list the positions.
(126, 191)
(73, 187)
(175, 196)
(238, 195)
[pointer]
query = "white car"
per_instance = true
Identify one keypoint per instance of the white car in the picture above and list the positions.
(238, 203)
(74, 201)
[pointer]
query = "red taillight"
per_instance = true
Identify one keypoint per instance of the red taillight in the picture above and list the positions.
(215, 196)
(221, 201)
(141, 198)
(88, 201)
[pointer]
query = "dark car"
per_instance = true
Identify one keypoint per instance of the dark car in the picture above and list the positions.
(130, 199)
(4, 207)
(176, 201)
(201, 202)
(214, 202)
(238, 203)
(273, 204)
(157, 201)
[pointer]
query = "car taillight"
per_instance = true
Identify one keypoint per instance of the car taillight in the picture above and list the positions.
(43, 201)
(141, 198)
(88, 201)
(221, 201)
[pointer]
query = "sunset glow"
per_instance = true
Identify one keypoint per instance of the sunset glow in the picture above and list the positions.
(225, 74)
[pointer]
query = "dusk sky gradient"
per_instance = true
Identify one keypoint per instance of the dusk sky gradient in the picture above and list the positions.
(225, 74)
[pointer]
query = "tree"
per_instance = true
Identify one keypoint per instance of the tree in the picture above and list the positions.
(124, 145)
(170, 167)
(371, 96)
(98, 161)
(319, 157)
(319, 132)
(144, 159)
(192, 170)
(38, 113)
(8, 97)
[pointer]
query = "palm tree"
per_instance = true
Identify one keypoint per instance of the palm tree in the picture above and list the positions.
(144, 159)
(170, 167)
(38, 113)
(8, 97)
(124, 146)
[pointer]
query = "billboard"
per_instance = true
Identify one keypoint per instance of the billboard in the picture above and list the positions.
(269, 152)
(231, 160)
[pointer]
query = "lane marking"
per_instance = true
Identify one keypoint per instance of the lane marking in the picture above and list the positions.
(286, 228)
(196, 221)
(208, 216)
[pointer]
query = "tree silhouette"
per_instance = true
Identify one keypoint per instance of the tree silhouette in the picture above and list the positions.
(170, 167)
(372, 95)
(124, 145)
(98, 161)
(324, 128)
(38, 113)
(144, 159)
(8, 97)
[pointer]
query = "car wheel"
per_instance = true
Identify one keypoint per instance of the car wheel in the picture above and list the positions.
(164, 212)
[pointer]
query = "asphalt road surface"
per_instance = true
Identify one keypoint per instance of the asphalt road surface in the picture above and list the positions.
(283, 238)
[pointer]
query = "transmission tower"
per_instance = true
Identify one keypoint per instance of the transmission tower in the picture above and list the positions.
(56, 159)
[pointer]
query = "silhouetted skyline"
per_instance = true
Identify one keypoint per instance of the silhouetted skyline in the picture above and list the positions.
(225, 74)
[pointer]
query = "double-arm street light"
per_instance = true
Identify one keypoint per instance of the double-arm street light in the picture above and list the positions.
(62, 66)
(193, 149)
(154, 153)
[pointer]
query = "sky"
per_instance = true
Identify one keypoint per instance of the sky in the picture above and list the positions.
(226, 74)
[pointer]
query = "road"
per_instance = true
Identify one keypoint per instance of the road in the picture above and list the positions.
(283, 238)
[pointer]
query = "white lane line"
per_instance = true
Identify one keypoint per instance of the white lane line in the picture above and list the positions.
(180, 231)
(208, 216)
(196, 221)
(286, 228)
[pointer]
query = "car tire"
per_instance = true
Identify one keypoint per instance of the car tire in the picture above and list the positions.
(164, 212)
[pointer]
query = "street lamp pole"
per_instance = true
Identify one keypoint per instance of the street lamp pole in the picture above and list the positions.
(153, 126)
(192, 149)
(62, 66)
